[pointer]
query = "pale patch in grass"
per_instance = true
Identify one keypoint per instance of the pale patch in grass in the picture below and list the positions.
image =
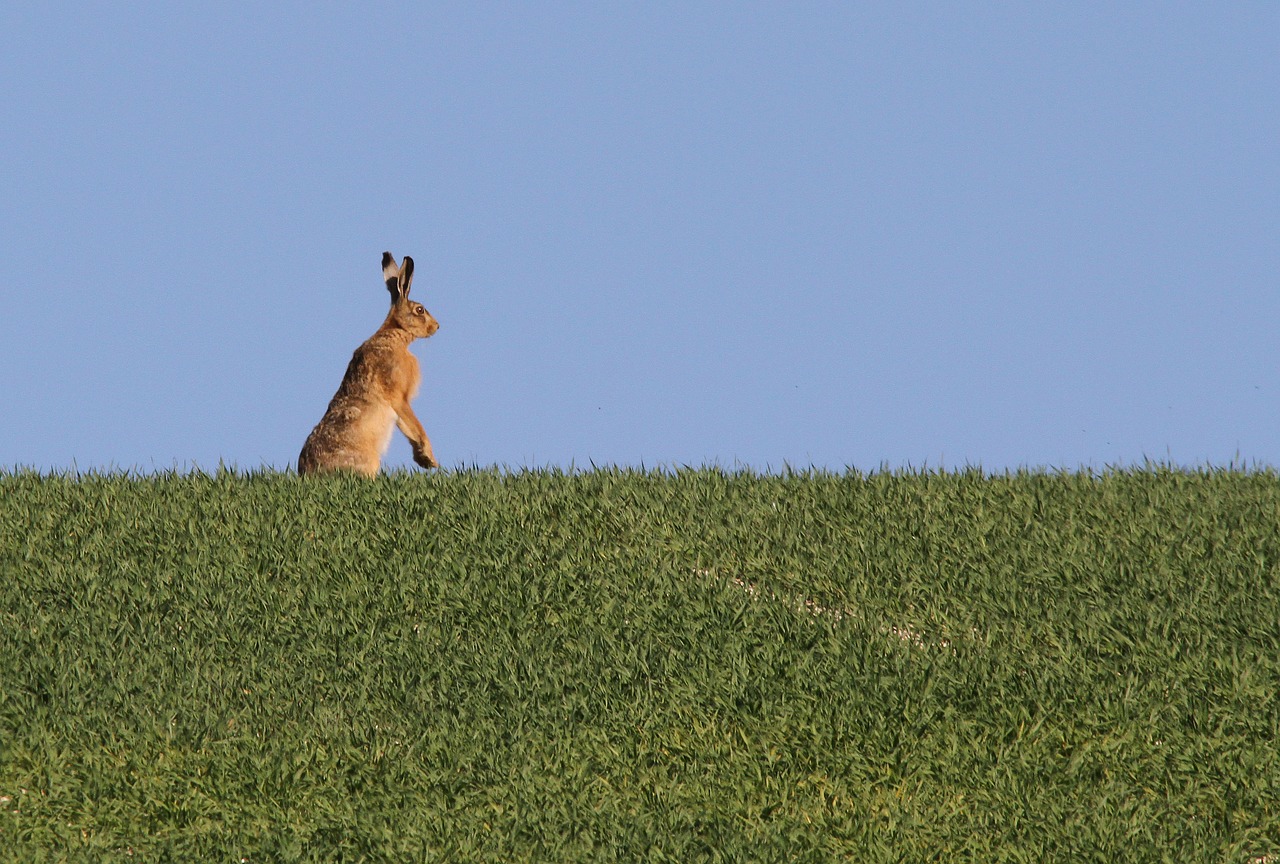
(809, 606)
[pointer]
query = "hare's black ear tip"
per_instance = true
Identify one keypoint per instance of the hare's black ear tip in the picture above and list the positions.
(387, 258)
(408, 262)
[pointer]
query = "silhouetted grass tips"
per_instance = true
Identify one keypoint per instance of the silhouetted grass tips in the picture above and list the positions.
(625, 665)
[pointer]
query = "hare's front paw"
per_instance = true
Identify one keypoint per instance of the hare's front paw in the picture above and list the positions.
(425, 458)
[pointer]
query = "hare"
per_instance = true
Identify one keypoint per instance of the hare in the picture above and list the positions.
(375, 392)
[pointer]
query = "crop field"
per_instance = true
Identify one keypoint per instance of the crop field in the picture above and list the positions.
(628, 665)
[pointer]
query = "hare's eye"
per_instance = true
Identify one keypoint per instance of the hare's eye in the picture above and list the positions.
(420, 310)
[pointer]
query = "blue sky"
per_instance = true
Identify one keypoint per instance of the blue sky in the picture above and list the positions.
(827, 234)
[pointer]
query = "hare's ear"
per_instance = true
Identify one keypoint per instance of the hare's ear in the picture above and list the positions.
(391, 273)
(406, 276)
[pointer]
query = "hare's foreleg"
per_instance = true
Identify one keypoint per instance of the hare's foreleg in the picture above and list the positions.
(412, 429)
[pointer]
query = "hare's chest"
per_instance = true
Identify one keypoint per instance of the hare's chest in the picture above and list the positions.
(412, 376)
(398, 375)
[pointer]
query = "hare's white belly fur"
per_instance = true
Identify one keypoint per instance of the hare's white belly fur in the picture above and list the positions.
(376, 423)
(383, 421)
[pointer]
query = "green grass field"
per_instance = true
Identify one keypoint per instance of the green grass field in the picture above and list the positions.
(619, 665)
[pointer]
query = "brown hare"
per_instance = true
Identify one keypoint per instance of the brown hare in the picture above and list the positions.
(374, 395)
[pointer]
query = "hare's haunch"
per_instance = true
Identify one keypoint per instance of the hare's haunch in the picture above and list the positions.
(374, 394)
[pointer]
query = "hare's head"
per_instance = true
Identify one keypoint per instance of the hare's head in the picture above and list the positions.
(405, 313)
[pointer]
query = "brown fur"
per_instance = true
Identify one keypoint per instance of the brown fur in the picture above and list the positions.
(374, 395)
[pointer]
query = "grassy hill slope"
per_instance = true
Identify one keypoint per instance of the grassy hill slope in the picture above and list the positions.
(620, 665)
